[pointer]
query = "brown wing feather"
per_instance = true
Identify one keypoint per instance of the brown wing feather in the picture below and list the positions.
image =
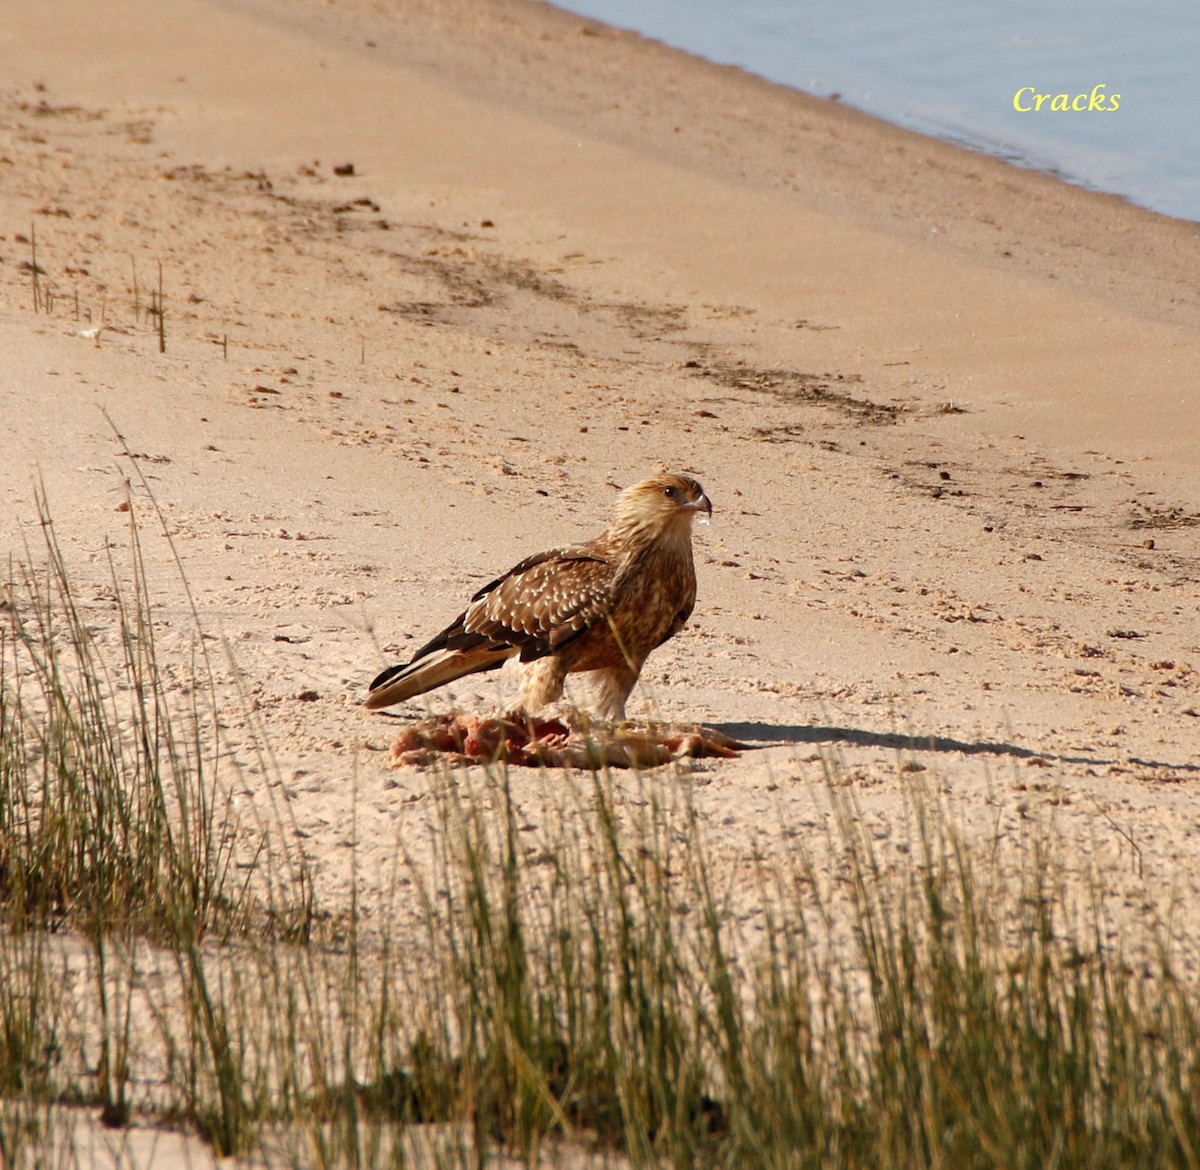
(535, 608)
(544, 602)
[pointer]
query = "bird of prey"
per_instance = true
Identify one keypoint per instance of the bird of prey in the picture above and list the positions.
(601, 606)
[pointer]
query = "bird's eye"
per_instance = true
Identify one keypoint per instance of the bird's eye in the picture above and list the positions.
(670, 492)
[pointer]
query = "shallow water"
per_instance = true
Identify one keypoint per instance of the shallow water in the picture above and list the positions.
(953, 69)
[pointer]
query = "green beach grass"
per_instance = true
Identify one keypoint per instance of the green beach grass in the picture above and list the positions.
(581, 988)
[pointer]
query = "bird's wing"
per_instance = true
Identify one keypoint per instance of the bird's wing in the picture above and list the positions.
(534, 609)
(545, 601)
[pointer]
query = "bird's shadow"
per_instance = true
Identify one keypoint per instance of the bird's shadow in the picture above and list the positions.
(764, 735)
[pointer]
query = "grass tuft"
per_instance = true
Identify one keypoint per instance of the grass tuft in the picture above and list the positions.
(108, 812)
(588, 974)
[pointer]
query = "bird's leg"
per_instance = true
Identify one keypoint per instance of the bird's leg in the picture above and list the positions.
(541, 685)
(612, 690)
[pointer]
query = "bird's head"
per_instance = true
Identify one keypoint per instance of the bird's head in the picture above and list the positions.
(662, 504)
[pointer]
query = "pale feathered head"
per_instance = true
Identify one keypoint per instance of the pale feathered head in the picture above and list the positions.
(663, 503)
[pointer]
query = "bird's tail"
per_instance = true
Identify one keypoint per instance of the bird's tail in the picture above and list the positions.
(398, 683)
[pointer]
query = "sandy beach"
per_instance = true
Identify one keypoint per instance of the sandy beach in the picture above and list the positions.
(439, 278)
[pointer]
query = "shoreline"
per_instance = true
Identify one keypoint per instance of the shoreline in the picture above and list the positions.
(956, 216)
(821, 62)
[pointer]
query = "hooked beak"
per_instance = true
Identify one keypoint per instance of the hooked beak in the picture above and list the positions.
(703, 504)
